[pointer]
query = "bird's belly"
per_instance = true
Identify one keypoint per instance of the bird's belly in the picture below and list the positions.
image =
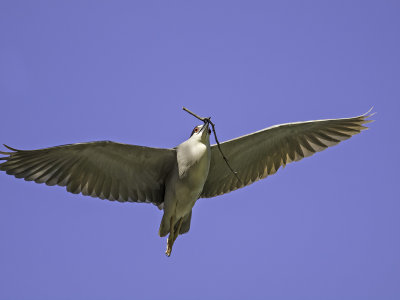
(189, 188)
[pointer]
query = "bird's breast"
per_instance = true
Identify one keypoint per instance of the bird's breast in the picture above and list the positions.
(193, 164)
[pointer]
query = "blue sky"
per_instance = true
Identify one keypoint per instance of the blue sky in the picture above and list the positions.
(323, 228)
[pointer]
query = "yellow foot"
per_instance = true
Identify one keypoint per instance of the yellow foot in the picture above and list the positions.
(169, 247)
(173, 235)
(168, 252)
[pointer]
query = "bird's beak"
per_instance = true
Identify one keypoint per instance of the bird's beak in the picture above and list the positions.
(205, 128)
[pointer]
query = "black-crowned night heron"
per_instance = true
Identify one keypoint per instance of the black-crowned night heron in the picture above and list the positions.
(174, 179)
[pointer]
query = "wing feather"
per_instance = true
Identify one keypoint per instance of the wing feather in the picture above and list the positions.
(106, 170)
(262, 153)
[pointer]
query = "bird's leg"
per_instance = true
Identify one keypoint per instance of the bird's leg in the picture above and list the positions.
(170, 240)
(173, 235)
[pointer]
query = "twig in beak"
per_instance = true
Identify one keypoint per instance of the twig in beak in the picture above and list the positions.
(194, 115)
(208, 120)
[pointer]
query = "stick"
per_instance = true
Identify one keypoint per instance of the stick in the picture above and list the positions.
(194, 115)
(208, 120)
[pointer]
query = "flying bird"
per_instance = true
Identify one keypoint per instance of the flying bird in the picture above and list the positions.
(174, 179)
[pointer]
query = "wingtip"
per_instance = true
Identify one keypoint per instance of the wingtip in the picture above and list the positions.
(368, 114)
(10, 148)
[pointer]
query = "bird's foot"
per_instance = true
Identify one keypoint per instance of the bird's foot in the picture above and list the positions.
(169, 247)
(168, 252)
(173, 235)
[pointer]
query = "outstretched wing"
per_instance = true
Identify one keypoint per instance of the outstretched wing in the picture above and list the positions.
(106, 170)
(259, 154)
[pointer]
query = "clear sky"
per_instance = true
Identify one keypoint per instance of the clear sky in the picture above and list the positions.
(323, 228)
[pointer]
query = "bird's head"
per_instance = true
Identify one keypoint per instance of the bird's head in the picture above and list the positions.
(201, 132)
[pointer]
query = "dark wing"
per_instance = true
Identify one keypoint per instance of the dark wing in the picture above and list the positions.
(259, 154)
(106, 170)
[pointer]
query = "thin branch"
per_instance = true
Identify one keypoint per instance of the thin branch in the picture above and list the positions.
(194, 115)
(208, 120)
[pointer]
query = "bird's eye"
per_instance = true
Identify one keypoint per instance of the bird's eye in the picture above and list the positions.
(196, 129)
